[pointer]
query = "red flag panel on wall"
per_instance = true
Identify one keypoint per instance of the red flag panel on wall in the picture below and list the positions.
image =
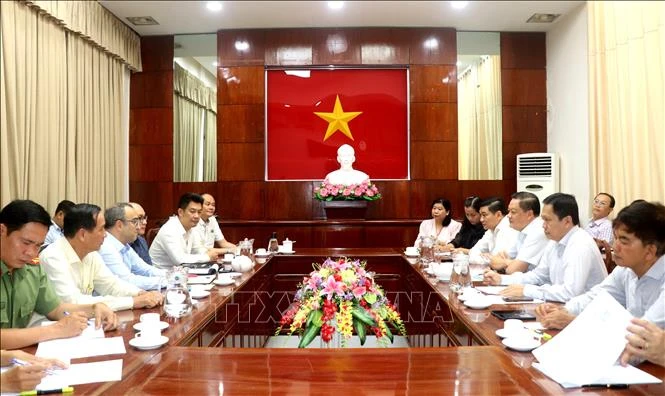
(310, 113)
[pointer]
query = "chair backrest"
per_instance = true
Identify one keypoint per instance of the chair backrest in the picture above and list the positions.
(609, 260)
(151, 234)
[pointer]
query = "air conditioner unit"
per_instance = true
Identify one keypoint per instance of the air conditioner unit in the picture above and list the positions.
(538, 173)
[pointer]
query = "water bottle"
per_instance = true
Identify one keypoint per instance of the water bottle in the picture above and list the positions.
(177, 302)
(461, 276)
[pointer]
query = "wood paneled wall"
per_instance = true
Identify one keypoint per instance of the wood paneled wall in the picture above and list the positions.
(242, 193)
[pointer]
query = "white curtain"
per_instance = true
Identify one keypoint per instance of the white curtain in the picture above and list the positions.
(61, 112)
(626, 92)
(479, 125)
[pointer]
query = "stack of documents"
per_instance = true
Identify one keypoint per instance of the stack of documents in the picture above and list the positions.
(587, 350)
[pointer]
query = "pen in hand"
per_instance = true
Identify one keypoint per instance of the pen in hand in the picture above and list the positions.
(23, 363)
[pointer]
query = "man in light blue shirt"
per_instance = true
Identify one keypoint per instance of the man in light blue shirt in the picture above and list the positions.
(55, 230)
(122, 224)
(638, 282)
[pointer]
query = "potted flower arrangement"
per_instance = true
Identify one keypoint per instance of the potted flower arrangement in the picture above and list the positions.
(338, 192)
(340, 296)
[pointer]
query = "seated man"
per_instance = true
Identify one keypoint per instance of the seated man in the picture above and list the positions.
(55, 230)
(177, 242)
(571, 264)
(140, 245)
(600, 226)
(346, 175)
(208, 228)
(499, 237)
(122, 224)
(523, 214)
(76, 269)
(638, 282)
(25, 289)
(27, 377)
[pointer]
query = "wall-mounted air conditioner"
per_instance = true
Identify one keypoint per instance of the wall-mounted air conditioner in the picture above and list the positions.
(538, 173)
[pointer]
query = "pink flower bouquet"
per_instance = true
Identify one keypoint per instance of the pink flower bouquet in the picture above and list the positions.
(337, 192)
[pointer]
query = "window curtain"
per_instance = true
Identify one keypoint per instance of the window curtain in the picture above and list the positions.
(195, 128)
(61, 112)
(626, 88)
(479, 129)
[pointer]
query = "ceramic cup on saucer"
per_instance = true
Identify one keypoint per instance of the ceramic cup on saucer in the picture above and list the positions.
(149, 317)
(150, 333)
(514, 328)
(261, 252)
(228, 257)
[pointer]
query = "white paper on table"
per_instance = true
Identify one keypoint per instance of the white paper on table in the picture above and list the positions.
(588, 348)
(83, 373)
(491, 289)
(89, 332)
(74, 348)
(201, 279)
(616, 374)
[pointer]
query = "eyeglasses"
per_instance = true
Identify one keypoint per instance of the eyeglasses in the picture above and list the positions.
(599, 202)
(143, 219)
(135, 221)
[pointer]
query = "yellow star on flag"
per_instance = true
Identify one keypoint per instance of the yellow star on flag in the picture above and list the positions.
(338, 120)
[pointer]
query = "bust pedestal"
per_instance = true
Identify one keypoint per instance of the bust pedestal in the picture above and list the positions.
(355, 210)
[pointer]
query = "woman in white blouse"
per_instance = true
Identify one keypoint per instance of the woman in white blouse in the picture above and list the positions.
(441, 226)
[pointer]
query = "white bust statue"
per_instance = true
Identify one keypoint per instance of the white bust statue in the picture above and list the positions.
(346, 175)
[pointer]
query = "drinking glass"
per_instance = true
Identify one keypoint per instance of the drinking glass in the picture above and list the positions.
(461, 276)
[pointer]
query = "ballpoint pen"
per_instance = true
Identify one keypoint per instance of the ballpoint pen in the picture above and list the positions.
(608, 386)
(23, 363)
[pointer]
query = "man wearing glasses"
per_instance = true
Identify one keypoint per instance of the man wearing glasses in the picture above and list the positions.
(122, 224)
(140, 245)
(600, 226)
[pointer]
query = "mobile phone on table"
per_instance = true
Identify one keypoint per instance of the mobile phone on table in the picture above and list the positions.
(516, 314)
(517, 299)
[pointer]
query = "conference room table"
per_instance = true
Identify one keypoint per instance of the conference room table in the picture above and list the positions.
(201, 359)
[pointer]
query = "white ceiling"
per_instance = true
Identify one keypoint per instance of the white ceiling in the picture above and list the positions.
(185, 17)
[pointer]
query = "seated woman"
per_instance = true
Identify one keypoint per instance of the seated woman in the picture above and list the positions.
(441, 226)
(472, 230)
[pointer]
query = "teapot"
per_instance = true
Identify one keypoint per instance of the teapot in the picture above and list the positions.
(242, 263)
(246, 247)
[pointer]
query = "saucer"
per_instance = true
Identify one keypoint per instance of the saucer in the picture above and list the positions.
(199, 293)
(287, 252)
(139, 326)
(265, 255)
(139, 343)
(477, 303)
(411, 254)
(224, 282)
(232, 274)
(502, 333)
(521, 344)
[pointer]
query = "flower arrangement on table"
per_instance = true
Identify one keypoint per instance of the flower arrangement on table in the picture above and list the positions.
(339, 192)
(340, 296)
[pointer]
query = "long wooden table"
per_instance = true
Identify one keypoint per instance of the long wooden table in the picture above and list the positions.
(207, 351)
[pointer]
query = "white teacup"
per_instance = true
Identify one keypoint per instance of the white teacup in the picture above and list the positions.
(261, 252)
(514, 328)
(443, 270)
(228, 257)
(149, 317)
(411, 250)
(224, 278)
(149, 333)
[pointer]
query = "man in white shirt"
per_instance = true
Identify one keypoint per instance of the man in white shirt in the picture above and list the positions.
(638, 281)
(76, 269)
(600, 225)
(177, 241)
(524, 216)
(208, 228)
(55, 230)
(122, 223)
(571, 264)
(499, 237)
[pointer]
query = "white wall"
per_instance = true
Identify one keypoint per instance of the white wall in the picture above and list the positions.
(568, 105)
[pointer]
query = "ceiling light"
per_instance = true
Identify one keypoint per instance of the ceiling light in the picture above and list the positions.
(214, 5)
(241, 45)
(458, 5)
(142, 20)
(431, 43)
(542, 18)
(335, 5)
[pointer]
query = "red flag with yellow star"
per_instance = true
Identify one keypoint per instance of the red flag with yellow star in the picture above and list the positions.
(310, 113)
